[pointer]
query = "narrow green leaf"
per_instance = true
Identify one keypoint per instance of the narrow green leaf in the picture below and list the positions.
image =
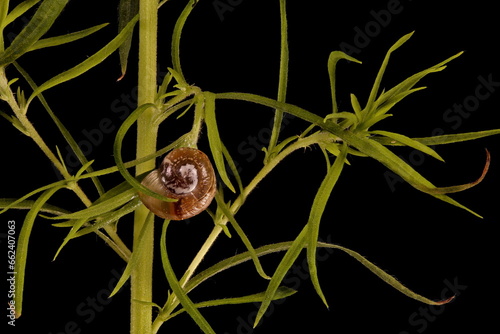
(282, 292)
(17, 202)
(4, 10)
(88, 63)
(83, 169)
(388, 99)
(162, 90)
(241, 234)
(110, 217)
(15, 122)
(102, 207)
(64, 39)
(380, 74)
(184, 112)
(176, 38)
(113, 192)
(289, 108)
(117, 153)
(282, 81)
(332, 148)
(284, 59)
(278, 148)
(333, 59)
(162, 2)
(127, 10)
(232, 166)
(39, 24)
(385, 276)
(65, 133)
(317, 209)
(444, 139)
(410, 82)
(356, 107)
(150, 304)
(232, 262)
(216, 146)
(383, 107)
(348, 117)
(307, 130)
(181, 82)
(409, 142)
(23, 242)
(218, 214)
(185, 301)
(13, 203)
(284, 143)
(19, 10)
(403, 169)
(134, 258)
(372, 120)
(59, 155)
(285, 246)
(67, 223)
(71, 234)
(286, 263)
(353, 151)
(462, 187)
(12, 81)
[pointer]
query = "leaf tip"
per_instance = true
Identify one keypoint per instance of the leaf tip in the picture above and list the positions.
(259, 316)
(265, 276)
(445, 301)
(121, 76)
(114, 292)
(17, 313)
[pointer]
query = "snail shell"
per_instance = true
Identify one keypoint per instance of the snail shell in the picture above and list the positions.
(185, 174)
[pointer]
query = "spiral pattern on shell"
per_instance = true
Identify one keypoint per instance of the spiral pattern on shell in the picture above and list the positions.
(185, 174)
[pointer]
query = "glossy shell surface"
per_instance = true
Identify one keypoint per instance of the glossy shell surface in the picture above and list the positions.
(185, 174)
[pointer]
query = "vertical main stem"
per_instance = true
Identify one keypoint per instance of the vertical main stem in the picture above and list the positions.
(142, 274)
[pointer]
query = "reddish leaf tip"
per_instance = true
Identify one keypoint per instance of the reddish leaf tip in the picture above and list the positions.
(121, 77)
(446, 301)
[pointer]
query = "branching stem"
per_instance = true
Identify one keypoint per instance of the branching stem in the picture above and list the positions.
(173, 302)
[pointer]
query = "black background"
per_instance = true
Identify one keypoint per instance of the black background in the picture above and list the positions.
(427, 244)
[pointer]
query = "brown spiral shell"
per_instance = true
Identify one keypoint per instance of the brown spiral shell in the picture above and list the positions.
(185, 174)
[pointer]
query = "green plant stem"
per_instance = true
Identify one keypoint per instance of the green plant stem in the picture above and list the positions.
(142, 273)
(7, 94)
(33, 134)
(172, 303)
(114, 240)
